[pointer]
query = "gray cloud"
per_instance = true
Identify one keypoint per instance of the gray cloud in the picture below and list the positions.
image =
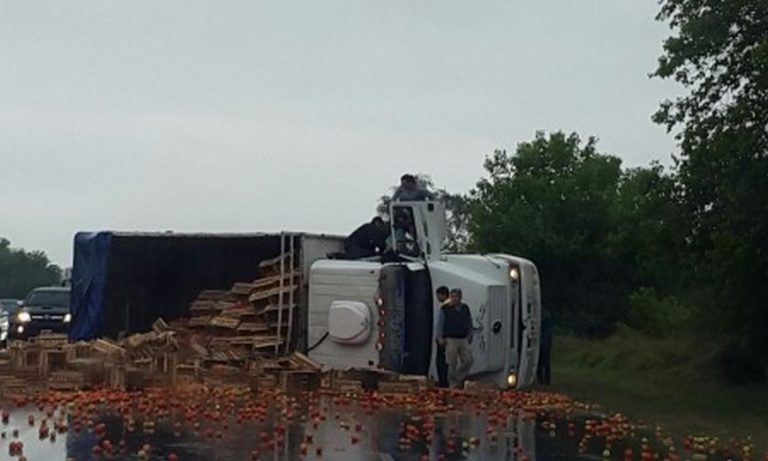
(250, 116)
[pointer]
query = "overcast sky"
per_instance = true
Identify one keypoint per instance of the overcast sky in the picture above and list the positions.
(241, 116)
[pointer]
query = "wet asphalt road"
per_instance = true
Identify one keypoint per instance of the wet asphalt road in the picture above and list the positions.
(213, 424)
(346, 432)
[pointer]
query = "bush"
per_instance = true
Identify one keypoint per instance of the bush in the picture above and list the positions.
(740, 365)
(657, 316)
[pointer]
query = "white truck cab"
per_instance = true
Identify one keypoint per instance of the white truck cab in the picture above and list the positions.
(381, 314)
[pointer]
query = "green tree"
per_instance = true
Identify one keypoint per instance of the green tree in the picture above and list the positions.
(651, 229)
(719, 53)
(456, 235)
(553, 202)
(20, 271)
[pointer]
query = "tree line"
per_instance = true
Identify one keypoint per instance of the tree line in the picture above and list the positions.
(21, 271)
(666, 251)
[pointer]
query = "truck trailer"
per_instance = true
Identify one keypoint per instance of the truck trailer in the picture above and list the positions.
(375, 312)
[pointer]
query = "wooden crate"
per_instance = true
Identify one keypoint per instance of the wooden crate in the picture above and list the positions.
(108, 348)
(164, 362)
(10, 385)
(135, 379)
(93, 370)
(212, 295)
(347, 385)
(78, 350)
(220, 374)
(160, 326)
(23, 355)
(51, 360)
(420, 383)
(199, 321)
(51, 340)
(481, 388)
(186, 373)
(115, 376)
(223, 321)
(5, 366)
(260, 382)
(398, 387)
(368, 377)
(28, 372)
(66, 380)
(299, 380)
(202, 306)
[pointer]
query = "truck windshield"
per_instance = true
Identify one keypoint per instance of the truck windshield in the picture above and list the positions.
(48, 298)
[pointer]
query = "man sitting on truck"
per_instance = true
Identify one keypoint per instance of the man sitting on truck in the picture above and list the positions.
(409, 191)
(455, 336)
(403, 240)
(367, 240)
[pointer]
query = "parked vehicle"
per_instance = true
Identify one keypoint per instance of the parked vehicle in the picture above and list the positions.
(44, 309)
(8, 307)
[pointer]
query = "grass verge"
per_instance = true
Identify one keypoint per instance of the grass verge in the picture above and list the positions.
(666, 382)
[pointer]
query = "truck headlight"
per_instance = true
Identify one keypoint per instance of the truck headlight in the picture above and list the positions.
(68, 318)
(24, 317)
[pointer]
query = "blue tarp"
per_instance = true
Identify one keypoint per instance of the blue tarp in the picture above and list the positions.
(89, 282)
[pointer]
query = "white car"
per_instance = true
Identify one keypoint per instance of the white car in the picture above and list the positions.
(8, 308)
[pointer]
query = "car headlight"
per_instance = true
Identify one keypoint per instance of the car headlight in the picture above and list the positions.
(67, 318)
(23, 317)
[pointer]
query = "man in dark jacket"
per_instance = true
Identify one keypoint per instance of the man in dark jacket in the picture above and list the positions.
(367, 240)
(543, 373)
(443, 297)
(455, 334)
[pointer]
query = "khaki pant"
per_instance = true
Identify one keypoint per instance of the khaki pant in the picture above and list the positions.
(460, 360)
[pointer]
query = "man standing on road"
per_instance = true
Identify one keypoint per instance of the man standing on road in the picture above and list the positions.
(443, 297)
(409, 191)
(457, 328)
(543, 372)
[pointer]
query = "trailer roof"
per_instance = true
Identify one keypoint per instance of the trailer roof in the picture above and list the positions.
(213, 234)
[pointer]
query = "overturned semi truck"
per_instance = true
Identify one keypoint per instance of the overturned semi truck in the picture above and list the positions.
(376, 312)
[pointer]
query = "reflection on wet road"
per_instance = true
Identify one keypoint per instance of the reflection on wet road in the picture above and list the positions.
(233, 424)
